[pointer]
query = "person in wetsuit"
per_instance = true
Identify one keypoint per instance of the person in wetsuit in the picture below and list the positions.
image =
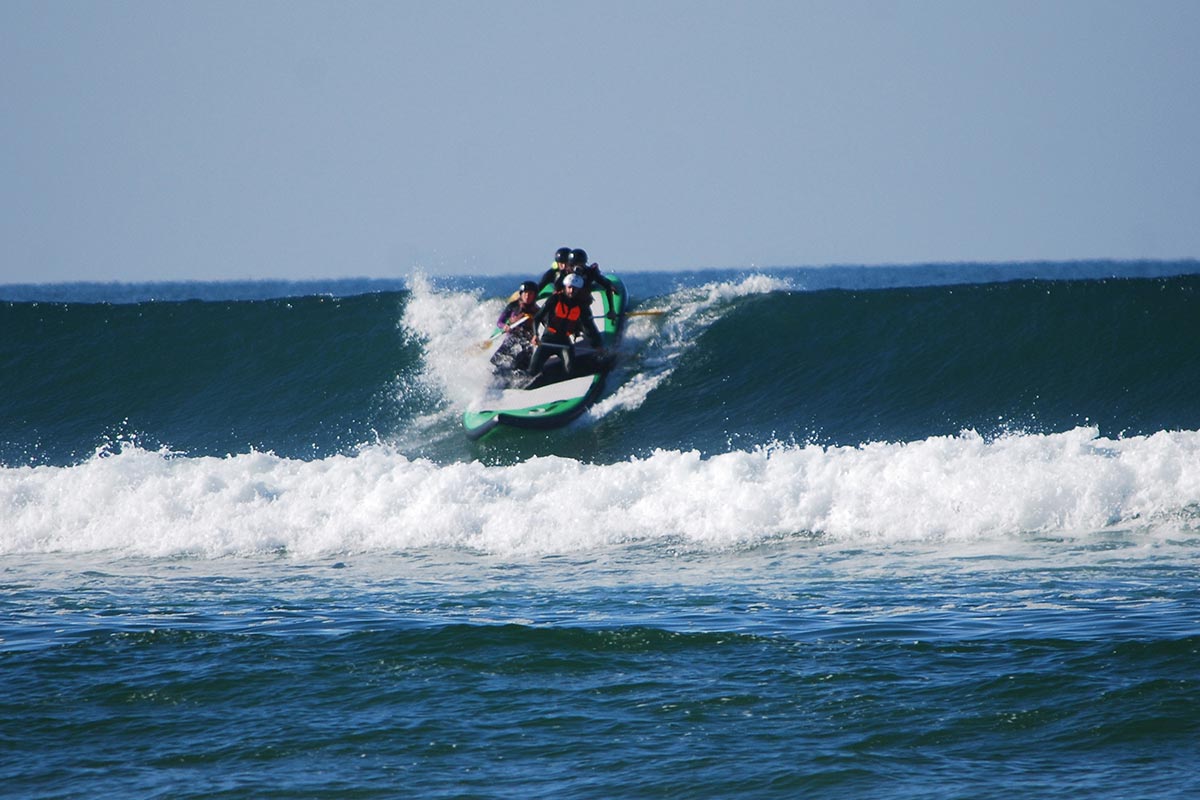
(566, 314)
(577, 262)
(558, 270)
(516, 320)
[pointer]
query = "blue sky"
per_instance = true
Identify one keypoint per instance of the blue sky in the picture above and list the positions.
(225, 140)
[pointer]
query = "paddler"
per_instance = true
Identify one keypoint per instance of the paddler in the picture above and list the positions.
(517, 316)
(558, 270)
(566, 314)
(578, 263)
(516, 320)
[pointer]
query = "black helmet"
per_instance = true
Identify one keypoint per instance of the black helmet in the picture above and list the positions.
(561, 255)
(528, 286)
(578, 258)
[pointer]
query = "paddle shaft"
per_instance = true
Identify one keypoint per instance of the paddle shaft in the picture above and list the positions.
(484, 345)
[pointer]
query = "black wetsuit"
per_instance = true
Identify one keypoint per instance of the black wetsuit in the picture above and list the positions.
(591, 276)
(564, 317)
(552, 276)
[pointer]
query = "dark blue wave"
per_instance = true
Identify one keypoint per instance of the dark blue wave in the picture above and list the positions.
(311, 376)
(904, 364)
(304, 377)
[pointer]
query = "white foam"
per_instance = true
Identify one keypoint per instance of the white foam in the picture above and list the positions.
(450, 326)
(960, 488)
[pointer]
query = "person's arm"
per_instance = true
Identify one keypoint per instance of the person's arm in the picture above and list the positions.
(589, 328)
(609, 288)
(502, 320)
(525, 326)
(538, 319)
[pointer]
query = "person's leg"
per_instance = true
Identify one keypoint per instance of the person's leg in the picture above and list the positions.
(521, 358)
(539, 358)
(568, 357)
(503, 357)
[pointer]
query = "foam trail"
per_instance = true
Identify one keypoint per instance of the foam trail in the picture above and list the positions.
(961, 488)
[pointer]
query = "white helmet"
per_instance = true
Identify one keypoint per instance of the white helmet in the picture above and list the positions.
(573, 280)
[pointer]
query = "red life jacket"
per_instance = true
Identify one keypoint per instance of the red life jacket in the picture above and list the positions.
(565, 316)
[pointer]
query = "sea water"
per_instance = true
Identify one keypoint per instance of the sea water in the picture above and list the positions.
(860, 532)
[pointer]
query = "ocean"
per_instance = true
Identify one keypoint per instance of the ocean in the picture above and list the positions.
(925, 531)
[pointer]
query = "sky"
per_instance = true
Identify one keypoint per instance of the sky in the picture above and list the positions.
(143, 140)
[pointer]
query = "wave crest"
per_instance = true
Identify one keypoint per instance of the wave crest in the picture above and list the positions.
(965, 487)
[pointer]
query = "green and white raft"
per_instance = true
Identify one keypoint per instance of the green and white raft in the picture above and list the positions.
(553, 399)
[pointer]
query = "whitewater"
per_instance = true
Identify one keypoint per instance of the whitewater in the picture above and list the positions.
(943, 488)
